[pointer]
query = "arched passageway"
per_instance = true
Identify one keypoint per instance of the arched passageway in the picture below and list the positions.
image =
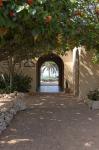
(58, 61)
(49, 74)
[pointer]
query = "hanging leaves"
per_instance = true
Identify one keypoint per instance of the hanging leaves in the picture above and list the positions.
(52, 24)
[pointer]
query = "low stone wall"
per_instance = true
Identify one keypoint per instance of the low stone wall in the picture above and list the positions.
(10, 104)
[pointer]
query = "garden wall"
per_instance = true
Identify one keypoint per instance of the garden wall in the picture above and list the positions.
(10, 104)
(89, 73)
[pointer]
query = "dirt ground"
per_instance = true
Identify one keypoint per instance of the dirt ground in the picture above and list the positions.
(53, 122)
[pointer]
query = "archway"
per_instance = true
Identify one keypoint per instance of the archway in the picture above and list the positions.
(49, 74)
(58, 61)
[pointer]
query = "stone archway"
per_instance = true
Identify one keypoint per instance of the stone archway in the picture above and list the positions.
(55, 58)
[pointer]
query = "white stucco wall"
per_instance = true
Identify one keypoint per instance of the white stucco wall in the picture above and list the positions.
(89, 73)
(68, 68)
(31, 72)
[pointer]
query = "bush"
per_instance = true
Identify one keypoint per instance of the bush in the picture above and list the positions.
(94, 95)
(4, 81)
(21, 83)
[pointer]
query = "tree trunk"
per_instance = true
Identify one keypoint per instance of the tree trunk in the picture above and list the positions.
(11, 71)
(49, 73)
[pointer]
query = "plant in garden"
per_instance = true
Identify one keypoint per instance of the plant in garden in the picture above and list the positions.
(21, 83)
(94, 95)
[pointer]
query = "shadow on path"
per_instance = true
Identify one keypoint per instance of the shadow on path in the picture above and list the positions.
(53, 122)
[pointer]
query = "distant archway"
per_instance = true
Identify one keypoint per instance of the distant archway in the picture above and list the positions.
(49, 74)
(55, 58)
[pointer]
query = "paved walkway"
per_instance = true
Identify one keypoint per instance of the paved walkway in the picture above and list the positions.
(50, 88)
(53, 122)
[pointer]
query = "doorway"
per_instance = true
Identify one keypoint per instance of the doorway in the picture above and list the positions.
(50, 74)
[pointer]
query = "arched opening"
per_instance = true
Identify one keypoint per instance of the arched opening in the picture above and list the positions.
(53, 78)
(49, 77)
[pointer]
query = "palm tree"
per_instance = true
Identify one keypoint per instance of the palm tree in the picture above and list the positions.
(51, 67)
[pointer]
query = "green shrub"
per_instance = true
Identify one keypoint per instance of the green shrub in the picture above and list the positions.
(47, 79)
(94, 95)
(21, 83)
(4, 82)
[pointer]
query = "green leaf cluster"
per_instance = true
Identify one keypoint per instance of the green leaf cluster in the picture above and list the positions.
(49, 25)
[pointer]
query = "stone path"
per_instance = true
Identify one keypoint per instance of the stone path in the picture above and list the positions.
(53, 122)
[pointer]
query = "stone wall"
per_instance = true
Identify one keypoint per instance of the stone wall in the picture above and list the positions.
(10, 104)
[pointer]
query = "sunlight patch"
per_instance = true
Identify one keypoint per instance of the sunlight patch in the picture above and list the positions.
(14, 141)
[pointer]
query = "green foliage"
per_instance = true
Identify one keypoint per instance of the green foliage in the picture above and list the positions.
(95, 58)
(4, 81)
(51, 79)
(21, 83)
(49, 25)
(51, 67)
(94, 95)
